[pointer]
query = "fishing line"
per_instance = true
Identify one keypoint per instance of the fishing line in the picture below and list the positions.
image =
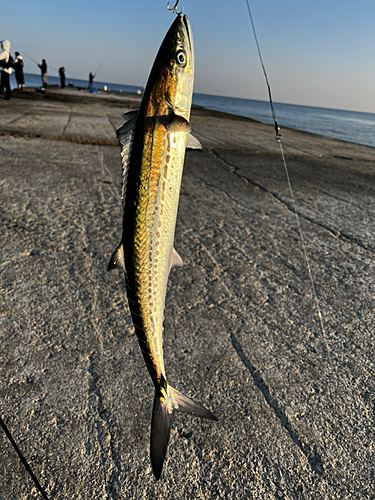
(278, 138)
(23, 460)
(24, 53)
(277, 128)
(36, 62)
(303, 246)
(97, 71)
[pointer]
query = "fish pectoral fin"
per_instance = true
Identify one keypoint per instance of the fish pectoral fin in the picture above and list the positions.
(192, 142)
(175, 260)
(117, 260)
(177, 123)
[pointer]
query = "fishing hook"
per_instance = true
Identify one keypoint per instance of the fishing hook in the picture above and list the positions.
(174, 9)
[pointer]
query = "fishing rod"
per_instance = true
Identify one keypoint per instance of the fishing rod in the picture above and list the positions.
(97, 71)
(36, 62)
(23, 460)
(277, 128)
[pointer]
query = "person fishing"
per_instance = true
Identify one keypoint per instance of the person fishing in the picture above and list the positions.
(6, 63)
(43, 69)
(62, 77)
(91, 81)
(18, 71)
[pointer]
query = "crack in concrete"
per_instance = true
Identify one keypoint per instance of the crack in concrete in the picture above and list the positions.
(232, 200)
(18, 118)
(105, 434)
(111, 123)
(67, 123)
(77, 140)
(336, 233)
(101, 411)
(313, 457)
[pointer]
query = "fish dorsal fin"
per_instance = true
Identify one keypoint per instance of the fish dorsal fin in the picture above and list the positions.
(130, 115)
(125, 135)
(117, 260)
(126, 132)
(175, 260)
(192, 142)
(177, 123)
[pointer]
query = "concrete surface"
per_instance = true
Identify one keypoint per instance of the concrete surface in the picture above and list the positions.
(242, 335)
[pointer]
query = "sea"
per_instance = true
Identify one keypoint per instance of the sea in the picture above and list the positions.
(349, 126)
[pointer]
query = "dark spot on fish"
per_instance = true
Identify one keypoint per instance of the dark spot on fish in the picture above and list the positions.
(167, 158)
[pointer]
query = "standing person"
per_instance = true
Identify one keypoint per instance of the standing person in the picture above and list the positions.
(62, 77)
(18, 70)
(91, 81)
(43, 69)
(6, 63)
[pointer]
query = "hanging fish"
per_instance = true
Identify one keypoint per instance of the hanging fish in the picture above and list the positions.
(153, 142)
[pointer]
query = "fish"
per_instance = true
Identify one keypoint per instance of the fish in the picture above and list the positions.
(153, 141)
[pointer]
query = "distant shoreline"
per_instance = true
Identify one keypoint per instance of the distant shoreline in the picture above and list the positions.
(349, 126)
(74, 94)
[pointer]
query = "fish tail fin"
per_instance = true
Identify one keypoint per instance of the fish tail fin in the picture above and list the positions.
(160, 430)
(187, 405)
(165, 404)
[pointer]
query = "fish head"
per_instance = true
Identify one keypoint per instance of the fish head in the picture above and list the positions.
(173, 71)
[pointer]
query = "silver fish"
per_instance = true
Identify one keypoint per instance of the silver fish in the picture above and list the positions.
(153, 142)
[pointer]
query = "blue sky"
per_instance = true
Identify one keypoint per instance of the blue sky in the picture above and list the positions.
(317, 53)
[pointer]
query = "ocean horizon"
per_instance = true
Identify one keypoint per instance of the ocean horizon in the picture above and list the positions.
(351, 126)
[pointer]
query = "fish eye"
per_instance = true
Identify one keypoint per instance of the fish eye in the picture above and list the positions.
(181, 58)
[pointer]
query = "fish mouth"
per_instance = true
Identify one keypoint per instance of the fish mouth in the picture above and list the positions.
(186, 22)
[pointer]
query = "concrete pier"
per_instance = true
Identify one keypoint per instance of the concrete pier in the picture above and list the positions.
(242, 335)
